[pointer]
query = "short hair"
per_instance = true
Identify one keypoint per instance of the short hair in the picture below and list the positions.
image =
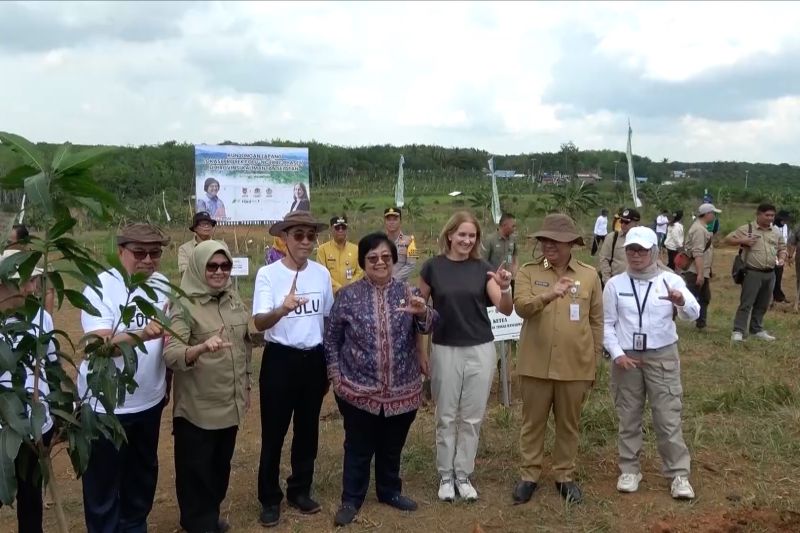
(458, 218)
(763, 208)
(604, 212)
(209, 182)
(506, 216)
(372, 241)
(21, 232)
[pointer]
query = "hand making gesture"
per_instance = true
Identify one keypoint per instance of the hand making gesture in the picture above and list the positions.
(673, 295)
(413, 304)
(292, 301)
(501, 276)
(563, 286)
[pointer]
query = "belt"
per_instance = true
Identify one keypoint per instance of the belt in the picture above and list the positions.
(764, 270)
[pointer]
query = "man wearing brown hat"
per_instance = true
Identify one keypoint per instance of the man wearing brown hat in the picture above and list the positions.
(406, 247)
(611, 260)
(291, 301)
(561, 302)
(339, 256)
(119, 484)
(699, 246)
(202, 227)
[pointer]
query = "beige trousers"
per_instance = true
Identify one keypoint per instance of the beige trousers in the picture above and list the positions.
(461, 379)
(566, 399)
(658, 379)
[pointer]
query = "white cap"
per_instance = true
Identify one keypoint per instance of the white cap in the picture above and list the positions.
(705, 209)
(641, 235)
(8, 253)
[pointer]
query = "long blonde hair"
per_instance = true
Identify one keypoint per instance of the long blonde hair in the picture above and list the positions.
(458, 218)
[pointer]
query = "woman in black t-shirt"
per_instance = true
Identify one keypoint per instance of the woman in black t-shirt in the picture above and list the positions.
(462, 364)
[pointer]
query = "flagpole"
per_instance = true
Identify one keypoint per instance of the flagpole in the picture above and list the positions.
(399, 198)
(631, 175)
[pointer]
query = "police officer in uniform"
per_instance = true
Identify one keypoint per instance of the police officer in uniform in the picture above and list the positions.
(339, 256)
(561, 302)
(406, 247)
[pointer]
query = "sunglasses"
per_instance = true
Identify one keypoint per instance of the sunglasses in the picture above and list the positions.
(310, 236)
(625, 221)
(340, 227)
(212, 268)
(140, 255)
(373, 259)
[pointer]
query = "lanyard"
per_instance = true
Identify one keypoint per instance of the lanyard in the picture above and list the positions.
(640, 307)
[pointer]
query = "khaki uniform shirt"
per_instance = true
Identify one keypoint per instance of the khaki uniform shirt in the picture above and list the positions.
(184, 253)
(341, 262)
(211, 392)
(694, 244)
(552, 346)
(499, 249)
(762, 255)
(406, 257)
(611, 267)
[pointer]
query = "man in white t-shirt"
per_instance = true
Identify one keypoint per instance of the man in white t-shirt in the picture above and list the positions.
(662, 221)
(600, 230)
(291, 300)
(119, 485)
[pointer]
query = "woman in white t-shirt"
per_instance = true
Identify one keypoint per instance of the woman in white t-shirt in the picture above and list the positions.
(674, 240)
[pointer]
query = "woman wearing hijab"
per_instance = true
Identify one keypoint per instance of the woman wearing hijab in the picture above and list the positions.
(211, 384)
(641, 337)
(371, 355)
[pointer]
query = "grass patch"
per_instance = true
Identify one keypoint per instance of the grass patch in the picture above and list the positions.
(744, 397)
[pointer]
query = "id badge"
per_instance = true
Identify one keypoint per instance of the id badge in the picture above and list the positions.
(348, 273)
(575, 312)
(640, 342)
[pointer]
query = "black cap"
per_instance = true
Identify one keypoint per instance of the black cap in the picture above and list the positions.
(392, 211)
(339, 220)
(202, 216)
(631, 214)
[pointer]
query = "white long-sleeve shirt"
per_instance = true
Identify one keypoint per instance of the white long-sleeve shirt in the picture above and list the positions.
(601, 226)
(621, 314)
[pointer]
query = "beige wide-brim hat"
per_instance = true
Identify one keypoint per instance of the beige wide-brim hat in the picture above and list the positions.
(560, 228)
(296, 218)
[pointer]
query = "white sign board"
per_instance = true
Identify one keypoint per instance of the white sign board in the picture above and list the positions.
(504, 328)
(241, 266)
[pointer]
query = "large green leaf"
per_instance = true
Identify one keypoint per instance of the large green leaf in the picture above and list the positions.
(59, 156)
(23, 146)
(8, 357)
(83, 159)
(9, 448)
(61, 227)
(38, 417)
(13, 412)
(37, 190)
(80, 301)
(16, 178)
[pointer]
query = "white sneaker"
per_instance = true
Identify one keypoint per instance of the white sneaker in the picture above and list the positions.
(629, 482)
(737, 336)
(466, 490)
(764, 336)
(681, 489)
(447, 491)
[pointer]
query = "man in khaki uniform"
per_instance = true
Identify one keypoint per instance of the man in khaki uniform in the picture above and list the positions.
(699, 246)
(611, 259)
(202, 227)
(561, 303)
(501, 247)
(339, 256)
(406, 247)
(762, 249)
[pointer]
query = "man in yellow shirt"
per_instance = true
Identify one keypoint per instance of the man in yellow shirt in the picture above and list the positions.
(339, 256)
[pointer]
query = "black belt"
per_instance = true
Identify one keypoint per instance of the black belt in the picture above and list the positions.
(304, 351)
(764, 270)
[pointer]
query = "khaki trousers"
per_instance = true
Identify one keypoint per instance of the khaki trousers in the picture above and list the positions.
(566, 400)
(461, 379)
(658, 379)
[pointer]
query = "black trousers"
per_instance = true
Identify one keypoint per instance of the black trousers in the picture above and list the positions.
(703, 296)
(777, 291)
(293, 383)
(366, 435)
(202, 472)
(597, 242)
(29, 488)
(671, 258)
(119, 485)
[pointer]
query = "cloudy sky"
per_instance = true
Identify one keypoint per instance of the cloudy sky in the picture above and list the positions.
(699, 81)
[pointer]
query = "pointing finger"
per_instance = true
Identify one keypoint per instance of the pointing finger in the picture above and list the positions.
(294, 283)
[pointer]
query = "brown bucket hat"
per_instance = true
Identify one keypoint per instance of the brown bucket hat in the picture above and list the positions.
(142, 233)
(559, 228)
(296, 218)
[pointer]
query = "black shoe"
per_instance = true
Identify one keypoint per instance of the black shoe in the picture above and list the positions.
(345, 515)
(270, 515)
(523, 492)
(304, 504)
(223, 525)
(570, 491)
(700, 325)
(398, 501)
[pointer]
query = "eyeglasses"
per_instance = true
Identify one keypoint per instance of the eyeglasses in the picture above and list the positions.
(140, 255)
(211, 268)
(310, 236)
(340, 227)
(641, 252)
(373, 259)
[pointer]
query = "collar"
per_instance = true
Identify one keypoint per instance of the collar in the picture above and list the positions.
(205, 298)
(571, 265)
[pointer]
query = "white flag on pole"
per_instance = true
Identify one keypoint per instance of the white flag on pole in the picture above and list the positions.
(399, 199)
(631, 176)
(496, 212)
(164, 202)
(22, 210)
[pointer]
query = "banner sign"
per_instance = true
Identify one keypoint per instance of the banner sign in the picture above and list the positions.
(251, 184)
(241, 266)
(504, 328)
